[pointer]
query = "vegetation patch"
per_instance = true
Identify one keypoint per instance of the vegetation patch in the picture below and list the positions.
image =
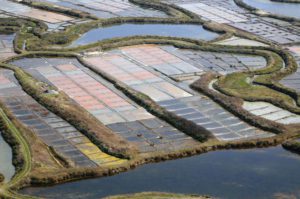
(57, 40)
(234, 105)
(262, 84)
(2, 178)
(170, 10)
(239, 85)
(11, 25)
(293, 146)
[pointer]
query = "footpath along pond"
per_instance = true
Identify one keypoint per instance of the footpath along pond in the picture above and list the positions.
(225, 174)
(126, 30)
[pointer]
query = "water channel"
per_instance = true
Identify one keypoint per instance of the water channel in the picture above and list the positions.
(6, 167)
(255, 173)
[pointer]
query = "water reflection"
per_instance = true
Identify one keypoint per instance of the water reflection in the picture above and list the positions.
(287, 9)
(258, 173)
(6, 167)
(125, 30)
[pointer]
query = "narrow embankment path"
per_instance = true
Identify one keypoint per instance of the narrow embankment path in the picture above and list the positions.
(24, 148)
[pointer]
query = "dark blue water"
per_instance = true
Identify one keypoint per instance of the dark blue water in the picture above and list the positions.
(258, 173)
(125, 30)
(287, 9)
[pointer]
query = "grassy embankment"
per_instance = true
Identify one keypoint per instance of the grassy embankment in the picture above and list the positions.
(262, 84)
(35, 29)
(23, 151)
(55, 41)
(40, 40)
(2, 178)
(256, 85)
(63, 106)
(274, 64)
(293, 146)
(46, 178)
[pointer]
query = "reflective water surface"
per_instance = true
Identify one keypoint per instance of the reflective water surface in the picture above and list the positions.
(125, 30)
(256, 173)
(287, 9)
(6, 167)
